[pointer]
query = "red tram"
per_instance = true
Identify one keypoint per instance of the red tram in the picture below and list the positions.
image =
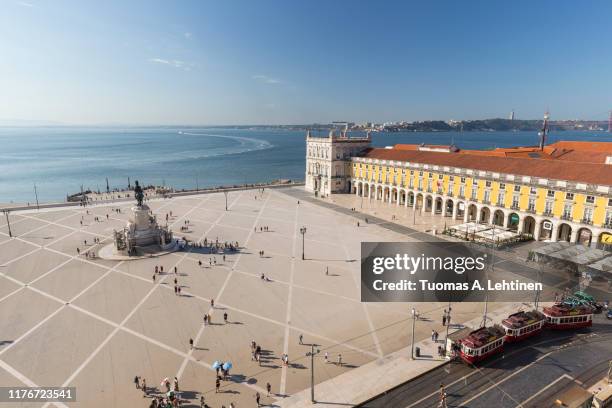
(564, 317)
(481, 344)
(521, 325)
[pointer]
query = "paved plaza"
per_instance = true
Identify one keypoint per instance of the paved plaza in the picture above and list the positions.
(95, 324)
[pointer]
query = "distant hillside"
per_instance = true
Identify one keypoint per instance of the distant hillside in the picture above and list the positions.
(497, 124)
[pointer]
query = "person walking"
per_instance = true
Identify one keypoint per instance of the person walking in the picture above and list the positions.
(205, 320)
(217, 385)
(144, 388)
(212, 303)
(137, 382)
(225, 317)
(301, 339)
(153, 278)
(444, 319)
(202, 403)
(442, 403)
(257, 399)
(326, 357)
(340, 359)
(268, 388)
(191, 343)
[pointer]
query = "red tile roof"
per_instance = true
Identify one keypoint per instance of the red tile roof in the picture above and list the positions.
(545, 166)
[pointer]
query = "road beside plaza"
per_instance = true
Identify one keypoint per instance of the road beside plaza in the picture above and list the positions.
(375, 378)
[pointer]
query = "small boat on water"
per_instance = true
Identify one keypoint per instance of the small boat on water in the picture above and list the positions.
(562, 316)
(521, 325)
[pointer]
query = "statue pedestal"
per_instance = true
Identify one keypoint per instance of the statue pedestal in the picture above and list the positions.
(142, 236)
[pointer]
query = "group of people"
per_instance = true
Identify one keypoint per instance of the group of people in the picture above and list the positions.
(216, 246)
(255, 352)
(262, 229)
(88, 254)
(170, 400)
(434, 336)
(211, 261)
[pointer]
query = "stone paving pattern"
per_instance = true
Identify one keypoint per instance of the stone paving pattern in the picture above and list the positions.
(94, 324)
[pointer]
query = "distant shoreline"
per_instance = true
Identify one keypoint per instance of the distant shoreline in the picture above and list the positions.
(476, 125)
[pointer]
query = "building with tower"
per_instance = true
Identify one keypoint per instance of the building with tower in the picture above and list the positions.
(328, 161)
(552, 192)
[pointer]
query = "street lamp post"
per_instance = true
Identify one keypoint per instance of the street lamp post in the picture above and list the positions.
(536, 301)
(448, 319)
(226, 193)
(36, 194)
(303, 232)
(6, 213)
(311, 354)
(415, 316)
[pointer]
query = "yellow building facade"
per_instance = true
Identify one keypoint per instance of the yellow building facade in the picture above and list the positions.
(545, 199)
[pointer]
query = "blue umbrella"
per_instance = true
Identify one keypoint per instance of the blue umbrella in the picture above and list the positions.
(216, 365)
(227, 365)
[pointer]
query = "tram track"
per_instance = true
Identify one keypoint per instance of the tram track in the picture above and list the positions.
(468, 386)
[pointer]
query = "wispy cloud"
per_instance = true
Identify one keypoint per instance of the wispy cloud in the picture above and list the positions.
(172, 63)
(188, 35)
(25, 4)
(266, 79)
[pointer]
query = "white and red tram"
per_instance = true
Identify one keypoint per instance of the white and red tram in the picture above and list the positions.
(521, 325)
(481, 344)
(562, 316)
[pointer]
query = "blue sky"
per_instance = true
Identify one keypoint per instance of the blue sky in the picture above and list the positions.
(264, 62)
